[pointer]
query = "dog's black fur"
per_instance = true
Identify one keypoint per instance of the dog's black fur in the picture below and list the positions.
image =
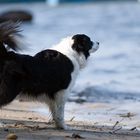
(47, 72)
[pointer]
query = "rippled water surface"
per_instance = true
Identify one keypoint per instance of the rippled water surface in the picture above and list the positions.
(113, 72)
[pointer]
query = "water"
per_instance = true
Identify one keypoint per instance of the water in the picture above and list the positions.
(113, 72)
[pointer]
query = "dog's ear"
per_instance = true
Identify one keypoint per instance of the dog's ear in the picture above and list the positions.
(78, 44)
(78, 47)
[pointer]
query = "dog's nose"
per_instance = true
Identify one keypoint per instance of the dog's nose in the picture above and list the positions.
(98, 43)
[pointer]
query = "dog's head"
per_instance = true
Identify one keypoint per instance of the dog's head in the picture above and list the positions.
(83, 45)
(79, 46)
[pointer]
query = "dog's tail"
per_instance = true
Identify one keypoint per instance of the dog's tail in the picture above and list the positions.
(9, 79)
(9, 37)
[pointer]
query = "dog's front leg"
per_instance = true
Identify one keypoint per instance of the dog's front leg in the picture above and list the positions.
(57, 109)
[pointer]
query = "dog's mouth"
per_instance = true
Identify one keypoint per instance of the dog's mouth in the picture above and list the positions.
(95, 47)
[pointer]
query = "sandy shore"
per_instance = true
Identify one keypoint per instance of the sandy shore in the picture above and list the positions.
(21, 119)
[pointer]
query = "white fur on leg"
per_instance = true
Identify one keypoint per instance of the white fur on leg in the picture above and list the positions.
(57, 109)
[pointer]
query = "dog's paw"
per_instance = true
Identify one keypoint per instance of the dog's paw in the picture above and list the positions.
(64, 127)
(67, 128)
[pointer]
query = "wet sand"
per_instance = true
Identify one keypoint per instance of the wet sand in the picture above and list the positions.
(20, 119)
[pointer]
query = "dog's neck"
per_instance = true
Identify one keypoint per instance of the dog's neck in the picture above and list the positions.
(65, 47)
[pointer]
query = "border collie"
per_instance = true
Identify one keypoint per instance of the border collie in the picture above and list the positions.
(47, 76)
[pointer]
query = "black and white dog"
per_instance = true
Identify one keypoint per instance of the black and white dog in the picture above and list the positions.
(46, 77)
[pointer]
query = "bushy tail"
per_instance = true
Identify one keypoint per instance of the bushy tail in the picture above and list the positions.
(9, 79)
(9, 36)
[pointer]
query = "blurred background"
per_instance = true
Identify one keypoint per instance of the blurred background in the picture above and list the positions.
(113, 73)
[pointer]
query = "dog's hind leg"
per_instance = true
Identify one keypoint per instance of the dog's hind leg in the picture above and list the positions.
(9, 86)
(8, 91)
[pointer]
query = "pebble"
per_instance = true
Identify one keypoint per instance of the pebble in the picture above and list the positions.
(11, 136)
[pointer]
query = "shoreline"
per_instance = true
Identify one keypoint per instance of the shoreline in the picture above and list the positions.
(21, 119)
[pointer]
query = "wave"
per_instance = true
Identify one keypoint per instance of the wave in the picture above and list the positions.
(102, 94)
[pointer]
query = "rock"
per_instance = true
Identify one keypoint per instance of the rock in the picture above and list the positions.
(11, 136)
(16, 15)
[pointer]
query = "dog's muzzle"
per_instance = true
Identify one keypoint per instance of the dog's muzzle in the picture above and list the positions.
(95, 47)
